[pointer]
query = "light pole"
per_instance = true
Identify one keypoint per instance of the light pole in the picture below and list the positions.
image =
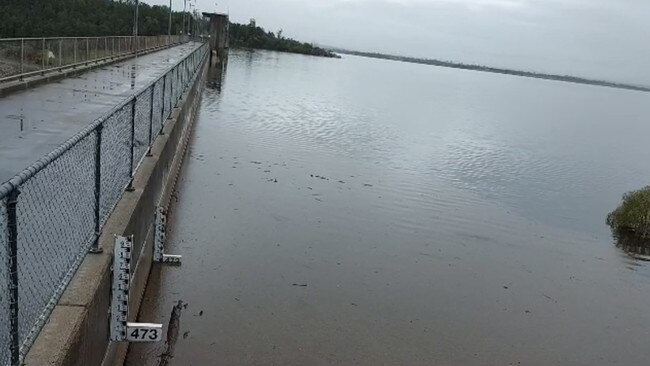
(135, 27)
(190, 19)
(169, 31)
(184, 7)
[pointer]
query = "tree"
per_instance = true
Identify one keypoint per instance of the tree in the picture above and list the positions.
(82, 18)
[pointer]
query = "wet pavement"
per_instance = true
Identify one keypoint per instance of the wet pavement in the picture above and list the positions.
(36, 121)
(366, 212)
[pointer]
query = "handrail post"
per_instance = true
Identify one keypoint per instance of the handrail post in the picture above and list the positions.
(162, 106)
(153, 88)
(12, 265)
(172, 102)
(95, 248)
(130, 188)
(74, 61)
(87, 50)
(22, 57)
(43, 56)
(60, 52)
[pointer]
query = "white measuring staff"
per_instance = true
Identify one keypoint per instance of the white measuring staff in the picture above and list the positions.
(120, 329)
(159, 240)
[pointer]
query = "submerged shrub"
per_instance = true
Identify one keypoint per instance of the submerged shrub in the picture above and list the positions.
(633, 215)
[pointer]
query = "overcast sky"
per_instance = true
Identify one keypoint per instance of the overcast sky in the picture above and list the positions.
(607, 39)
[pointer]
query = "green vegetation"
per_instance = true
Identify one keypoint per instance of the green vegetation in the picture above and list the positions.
(633, 215)
(94, 18)
(252, 36)
(82, 18)
(530, 74)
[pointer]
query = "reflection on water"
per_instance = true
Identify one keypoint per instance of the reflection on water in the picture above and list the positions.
(367, 212)
(638, 247)
(216, 76)
(133, 74)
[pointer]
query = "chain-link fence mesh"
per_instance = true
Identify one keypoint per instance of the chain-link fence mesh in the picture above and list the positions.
(22, 56)
(158, 120)
(5, 297)
(167, 96)
(142, 126)
(55, 219)
(61, 197)
(115, 150)
(177, 83)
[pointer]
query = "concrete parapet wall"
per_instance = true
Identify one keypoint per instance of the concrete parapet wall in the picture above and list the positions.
(77, 331)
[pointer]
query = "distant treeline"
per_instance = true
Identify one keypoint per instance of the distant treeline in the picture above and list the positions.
(458, 65)
(252, 36)
(81, 18)
(94, 18)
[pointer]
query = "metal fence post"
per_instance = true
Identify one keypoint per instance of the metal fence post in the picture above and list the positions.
(153, 88)
(171, 90)
(87, 50)
(22, 58)
(130, 188)
(95, 248)
(12, 253)
(43, 56)
(162, 106)
(74, 61)
(60, 53)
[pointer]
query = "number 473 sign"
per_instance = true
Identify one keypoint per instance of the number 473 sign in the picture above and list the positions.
(143, 332)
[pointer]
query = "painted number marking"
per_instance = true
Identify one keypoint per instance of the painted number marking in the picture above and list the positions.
(143, 332)
(172, 258)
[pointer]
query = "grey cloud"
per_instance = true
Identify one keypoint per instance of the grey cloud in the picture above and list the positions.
(594, 38)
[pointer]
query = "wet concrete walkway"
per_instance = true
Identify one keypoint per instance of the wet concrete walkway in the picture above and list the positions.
(38, 120)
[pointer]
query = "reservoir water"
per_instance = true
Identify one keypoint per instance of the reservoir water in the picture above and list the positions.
(358, 211)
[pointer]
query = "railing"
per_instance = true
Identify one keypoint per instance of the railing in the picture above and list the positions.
(53, 212)
(22, 57)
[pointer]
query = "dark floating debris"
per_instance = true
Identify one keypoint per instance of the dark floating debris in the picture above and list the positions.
(318, 176)
(299, 284)
(550, 298)
(172, 333)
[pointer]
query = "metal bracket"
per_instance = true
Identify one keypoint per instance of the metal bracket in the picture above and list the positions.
(120, 329)
(159, 240)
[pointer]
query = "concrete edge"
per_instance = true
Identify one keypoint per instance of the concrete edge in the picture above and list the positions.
(76, 332)
(14, 86)
(141, 274)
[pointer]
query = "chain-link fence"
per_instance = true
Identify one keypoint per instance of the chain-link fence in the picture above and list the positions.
(52, 213)
(22, 57)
